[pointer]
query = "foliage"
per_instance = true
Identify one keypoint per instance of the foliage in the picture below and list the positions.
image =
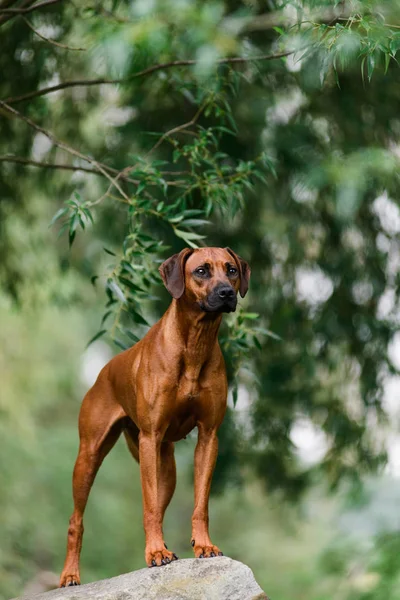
(269, 129)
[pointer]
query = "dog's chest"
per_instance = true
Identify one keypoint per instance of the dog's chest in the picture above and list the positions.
(188, 384)
(183, 415)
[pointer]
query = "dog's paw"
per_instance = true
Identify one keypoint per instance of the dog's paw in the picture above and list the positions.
(205, 550)
(69, 579)
(158, 558)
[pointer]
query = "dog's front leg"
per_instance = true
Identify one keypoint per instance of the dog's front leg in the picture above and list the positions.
(204, 462)
(156, 554)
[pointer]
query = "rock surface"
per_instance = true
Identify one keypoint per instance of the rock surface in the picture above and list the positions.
(219, 578)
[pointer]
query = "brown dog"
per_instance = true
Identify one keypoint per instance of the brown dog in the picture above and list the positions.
(156, 392)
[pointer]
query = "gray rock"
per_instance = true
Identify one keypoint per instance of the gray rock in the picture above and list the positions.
(219, 578)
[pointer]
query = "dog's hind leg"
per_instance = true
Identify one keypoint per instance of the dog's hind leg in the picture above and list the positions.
(100, 424)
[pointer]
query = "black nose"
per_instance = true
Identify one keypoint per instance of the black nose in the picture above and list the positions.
(226, 292)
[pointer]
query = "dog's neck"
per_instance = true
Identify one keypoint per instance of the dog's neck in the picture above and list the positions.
(198, 329)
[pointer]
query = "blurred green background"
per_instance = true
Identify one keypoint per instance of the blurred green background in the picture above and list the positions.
(291, 161)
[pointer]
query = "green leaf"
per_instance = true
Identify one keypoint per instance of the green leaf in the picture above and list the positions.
(73, 224)
(131, 267)
(251, 316)
(235, 394)
(121, 344)
(105, 316)
(191, 212)
(188, 235)
(256, 342)
(129, 284)
(137, 317)
(225, 130)
(395, 44)
(267, 332)
(145, 237)
(62, 229)
(363, 69)
(194, 222)
(114, 287)
(175, 219)
(132, 336)
(387, 62)
(71, 237)
(96, 337)
(141, 187)
(60, 213)
(93, 279)
(81, 221)
(370, 66)
(109, 251)
(88, 214)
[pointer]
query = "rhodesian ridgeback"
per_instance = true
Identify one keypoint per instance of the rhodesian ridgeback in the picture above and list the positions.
(156, 392)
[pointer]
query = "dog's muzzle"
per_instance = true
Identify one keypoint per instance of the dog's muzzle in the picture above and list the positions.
(221, 299)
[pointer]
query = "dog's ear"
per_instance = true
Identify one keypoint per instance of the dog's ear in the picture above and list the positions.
(244, 272)
(172, 272)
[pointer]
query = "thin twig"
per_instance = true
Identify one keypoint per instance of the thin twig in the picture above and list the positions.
(143, 73)
(156, 145)
(164, 136)
(354, 20)
(24, 11)
(63, 145)
(177, 129)
(6, 3)
(52, 42)
(35, 163)
(59, 166)
(279, 18)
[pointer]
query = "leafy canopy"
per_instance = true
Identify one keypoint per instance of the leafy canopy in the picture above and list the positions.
(160, 125)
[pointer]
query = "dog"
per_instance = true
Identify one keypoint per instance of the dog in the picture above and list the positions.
(156, 392)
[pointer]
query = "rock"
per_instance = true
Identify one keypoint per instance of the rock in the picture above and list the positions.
(219, 578)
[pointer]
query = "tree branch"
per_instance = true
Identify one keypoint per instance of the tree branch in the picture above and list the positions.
(279, 18)
(25, 7)
(28, 9)
(143, 73)
(19, 160)
(35, 163)
(48, 40)
(192, 121)
(6, 3)
(97, 165)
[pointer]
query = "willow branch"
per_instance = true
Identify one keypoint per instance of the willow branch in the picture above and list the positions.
(97, 165)
(24, 10)
(182, 127)
(45, 165)
(143, 73)
(270, 20)
(48, 40)
(6, 4)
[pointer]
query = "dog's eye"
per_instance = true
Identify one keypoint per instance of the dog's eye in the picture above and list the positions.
(232, 271)
(200, 271)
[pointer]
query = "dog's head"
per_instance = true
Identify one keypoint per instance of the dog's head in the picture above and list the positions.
(207, 277)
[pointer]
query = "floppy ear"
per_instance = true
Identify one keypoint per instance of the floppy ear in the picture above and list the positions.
(172, 272)
(244, 272)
